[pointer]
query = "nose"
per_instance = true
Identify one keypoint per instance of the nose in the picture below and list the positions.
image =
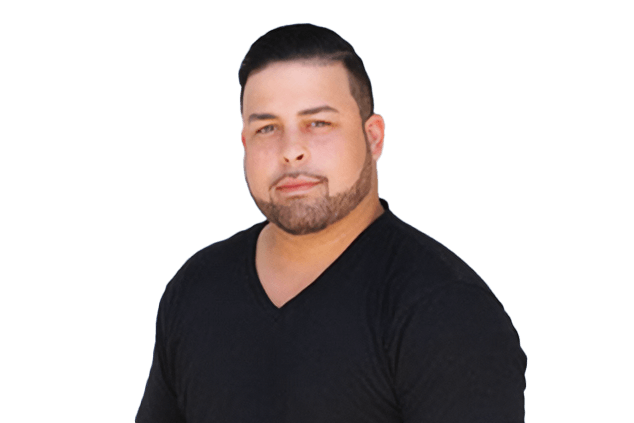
(289, 158)
(294, 149)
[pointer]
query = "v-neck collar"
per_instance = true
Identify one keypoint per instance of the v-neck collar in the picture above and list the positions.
(262, 298)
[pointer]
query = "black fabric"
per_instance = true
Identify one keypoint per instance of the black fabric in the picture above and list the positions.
(397, 329)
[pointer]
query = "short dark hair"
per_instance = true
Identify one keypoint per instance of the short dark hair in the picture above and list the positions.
(306, 42)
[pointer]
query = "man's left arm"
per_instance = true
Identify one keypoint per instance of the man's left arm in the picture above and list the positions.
(457, 358)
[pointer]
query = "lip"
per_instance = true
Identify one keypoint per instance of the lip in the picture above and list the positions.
(295, 185)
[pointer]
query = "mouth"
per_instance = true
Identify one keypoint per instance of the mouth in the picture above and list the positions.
(297, 188)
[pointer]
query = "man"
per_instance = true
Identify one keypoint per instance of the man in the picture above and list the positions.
(333, 310)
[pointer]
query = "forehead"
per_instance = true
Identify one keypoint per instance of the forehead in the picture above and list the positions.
(298, 85)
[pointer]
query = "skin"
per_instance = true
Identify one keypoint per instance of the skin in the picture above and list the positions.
(305, 145)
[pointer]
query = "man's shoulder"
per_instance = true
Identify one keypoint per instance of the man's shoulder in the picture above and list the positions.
(416, 247)
(416, 256)
(238, 244)
(217, 260)
(420, 273)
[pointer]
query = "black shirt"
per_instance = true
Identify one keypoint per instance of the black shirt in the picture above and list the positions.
(397, 329)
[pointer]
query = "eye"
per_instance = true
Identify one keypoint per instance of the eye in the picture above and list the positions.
(271, 127)
(265, 130)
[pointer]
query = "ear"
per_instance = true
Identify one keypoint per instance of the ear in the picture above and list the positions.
(375, 131)
(244, 142)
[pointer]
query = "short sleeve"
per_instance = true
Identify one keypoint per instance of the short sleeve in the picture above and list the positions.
(457, 359)
(160, 403)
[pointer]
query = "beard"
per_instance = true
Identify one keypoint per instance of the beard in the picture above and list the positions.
(301, 216)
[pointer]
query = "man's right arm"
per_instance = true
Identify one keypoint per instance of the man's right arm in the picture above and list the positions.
(160, 402)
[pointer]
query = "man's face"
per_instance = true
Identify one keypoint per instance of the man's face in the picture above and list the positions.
(307, 162)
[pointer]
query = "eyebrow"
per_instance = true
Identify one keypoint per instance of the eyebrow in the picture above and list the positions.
(314, 110)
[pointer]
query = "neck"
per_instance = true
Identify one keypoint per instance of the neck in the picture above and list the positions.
(325, 245)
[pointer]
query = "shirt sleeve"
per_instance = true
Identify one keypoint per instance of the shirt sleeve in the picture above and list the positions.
(457, 359)
(160, 402)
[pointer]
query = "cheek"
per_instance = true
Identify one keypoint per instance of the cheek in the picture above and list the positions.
(256, 170)
(346, 164)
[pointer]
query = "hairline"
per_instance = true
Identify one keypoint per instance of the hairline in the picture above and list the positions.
(354, 85)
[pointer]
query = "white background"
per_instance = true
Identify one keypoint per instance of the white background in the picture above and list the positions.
(509, 134)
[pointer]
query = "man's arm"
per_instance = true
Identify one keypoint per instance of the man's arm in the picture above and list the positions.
(457, 358)
(159, 403)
